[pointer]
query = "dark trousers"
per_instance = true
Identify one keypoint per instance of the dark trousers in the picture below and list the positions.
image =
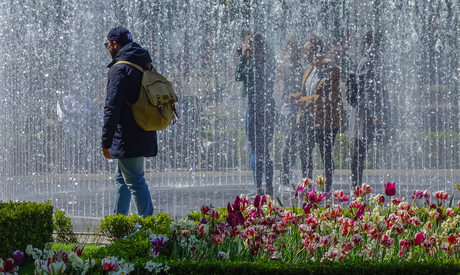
(325, 139)
(358, 156)
(291, 149)
(259, 126)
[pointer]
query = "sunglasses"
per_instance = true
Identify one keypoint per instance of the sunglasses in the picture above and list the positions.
(106, 44)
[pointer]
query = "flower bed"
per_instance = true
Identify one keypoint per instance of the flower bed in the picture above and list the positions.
(361, 235)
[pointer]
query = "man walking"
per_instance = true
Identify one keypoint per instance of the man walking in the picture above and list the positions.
(122, 138)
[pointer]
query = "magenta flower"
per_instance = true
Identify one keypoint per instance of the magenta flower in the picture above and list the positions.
(313, 197)
(417, 194)
(235, 217)
(158, 241)
(390, 189)
(420, 238)
(307, 208)
(360, 212)
(344, 199)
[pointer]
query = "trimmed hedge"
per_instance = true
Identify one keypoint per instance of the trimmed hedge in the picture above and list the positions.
(24, 223)
(435, 267)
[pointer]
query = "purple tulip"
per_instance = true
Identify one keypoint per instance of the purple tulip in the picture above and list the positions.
(18, 256)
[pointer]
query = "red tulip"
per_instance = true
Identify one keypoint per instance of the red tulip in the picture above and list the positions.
(452, 239)
(390, 189)
(78, 248)
(381, 200)
(420, 238)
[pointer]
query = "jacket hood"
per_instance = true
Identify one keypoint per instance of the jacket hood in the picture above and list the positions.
(133, 53)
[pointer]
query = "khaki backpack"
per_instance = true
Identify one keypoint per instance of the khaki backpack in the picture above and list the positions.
(154, 109)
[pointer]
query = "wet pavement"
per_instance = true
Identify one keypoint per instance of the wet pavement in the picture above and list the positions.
(89, 197)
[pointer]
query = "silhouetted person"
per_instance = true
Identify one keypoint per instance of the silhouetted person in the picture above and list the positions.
(256, 68)
(122, 138)
(321, 107)
(368, 99)
(289, 81)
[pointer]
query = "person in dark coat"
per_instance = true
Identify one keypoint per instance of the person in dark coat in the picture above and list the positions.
(321, 108)
(256, 69)
(122, 138)
(369, 115)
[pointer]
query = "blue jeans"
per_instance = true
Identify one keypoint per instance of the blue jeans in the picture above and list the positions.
(129, 178)
(259, 126)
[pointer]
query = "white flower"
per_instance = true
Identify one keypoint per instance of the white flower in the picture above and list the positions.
(29, 249)
(89, 263)
(78, 263)
(58, 267)
(150, 266)
(72, 256)
(222, 255)
(128, 267)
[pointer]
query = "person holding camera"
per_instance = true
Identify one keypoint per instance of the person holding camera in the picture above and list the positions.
(256, 69)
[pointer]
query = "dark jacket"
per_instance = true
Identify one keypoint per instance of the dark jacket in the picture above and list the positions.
(258, 78)
(120, 132)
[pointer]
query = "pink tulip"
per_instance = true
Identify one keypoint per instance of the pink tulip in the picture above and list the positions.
(420, 238)
(441, 195)
(390, 189)
(387, 242)
(344, 199)
(338, 194)
(450, 211)
(417, 194)
(396, 201)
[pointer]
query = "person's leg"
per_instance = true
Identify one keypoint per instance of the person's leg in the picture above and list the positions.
(326, 140)
(288, 154)
(251, 135)
(133, 174)
(123, 195)
(357, 162)
(307, 140)
(268, 130)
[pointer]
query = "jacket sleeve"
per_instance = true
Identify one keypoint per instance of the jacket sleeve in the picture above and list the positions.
(118, 84)
(242, 69)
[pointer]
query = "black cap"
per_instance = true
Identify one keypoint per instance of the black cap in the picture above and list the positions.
(121, 35)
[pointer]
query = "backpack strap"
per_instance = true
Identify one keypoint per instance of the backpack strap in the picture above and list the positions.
(130, 105)
(130, 64)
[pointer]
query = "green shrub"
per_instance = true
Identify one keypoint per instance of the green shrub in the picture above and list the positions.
(119, 226)
(24, 223)
(134, 249)
(63, 228)
(158, 224)
(441, 267)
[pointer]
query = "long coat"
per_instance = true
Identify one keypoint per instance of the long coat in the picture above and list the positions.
(120, 132)
(371, 102)
(325, 108)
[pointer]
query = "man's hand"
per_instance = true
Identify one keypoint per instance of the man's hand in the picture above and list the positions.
(106, 153)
